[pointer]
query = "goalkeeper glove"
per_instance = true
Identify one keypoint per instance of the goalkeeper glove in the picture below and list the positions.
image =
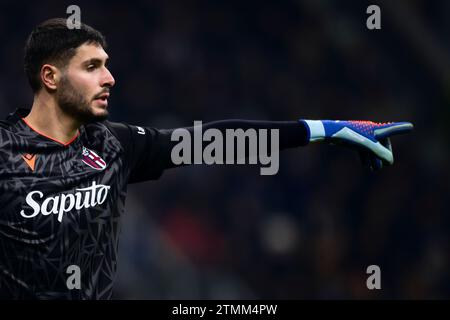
(371, 139)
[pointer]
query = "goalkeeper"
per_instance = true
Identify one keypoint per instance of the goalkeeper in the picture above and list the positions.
(65, 169)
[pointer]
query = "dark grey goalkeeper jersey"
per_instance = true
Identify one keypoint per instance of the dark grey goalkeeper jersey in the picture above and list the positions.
(60, 205)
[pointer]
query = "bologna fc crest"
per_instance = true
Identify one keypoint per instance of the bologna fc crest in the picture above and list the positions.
(93, 160)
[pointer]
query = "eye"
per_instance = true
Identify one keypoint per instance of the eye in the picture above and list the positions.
(91, 67)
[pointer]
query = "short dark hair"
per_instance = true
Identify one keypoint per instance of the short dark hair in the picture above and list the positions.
(53, 42)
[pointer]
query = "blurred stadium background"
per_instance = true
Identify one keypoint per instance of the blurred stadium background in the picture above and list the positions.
(310, 231)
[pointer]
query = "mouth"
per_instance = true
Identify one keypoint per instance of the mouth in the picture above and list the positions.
(103, 98)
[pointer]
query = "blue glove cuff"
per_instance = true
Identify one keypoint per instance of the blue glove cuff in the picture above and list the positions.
(316, 130)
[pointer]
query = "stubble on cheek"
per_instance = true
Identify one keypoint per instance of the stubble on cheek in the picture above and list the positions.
(74, 103)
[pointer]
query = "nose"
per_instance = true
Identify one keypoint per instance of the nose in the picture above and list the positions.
(108, 79)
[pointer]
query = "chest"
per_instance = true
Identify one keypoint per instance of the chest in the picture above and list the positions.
(58, 190)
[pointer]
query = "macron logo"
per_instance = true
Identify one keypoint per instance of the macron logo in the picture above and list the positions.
(88, 197)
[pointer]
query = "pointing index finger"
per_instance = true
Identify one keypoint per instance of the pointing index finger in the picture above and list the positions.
(393, 129)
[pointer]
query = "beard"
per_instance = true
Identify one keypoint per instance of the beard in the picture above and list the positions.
(72, 102)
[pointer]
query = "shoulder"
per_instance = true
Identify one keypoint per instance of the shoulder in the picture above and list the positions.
(107, 132)
(6, 130)
(11, 120)
(5, 125)
(116, 129)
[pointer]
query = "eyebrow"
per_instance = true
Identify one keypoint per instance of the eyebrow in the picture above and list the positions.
(95, 61)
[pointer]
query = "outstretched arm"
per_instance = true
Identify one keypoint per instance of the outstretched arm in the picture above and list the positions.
(149, 150)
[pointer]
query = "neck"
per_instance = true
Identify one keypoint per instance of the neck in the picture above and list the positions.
(47, 118)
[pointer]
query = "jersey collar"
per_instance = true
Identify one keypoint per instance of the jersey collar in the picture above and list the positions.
(17, 118)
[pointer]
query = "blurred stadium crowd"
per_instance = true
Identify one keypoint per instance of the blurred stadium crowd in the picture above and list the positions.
(309, 232)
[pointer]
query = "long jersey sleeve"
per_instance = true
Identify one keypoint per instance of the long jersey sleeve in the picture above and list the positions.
(148, 150)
